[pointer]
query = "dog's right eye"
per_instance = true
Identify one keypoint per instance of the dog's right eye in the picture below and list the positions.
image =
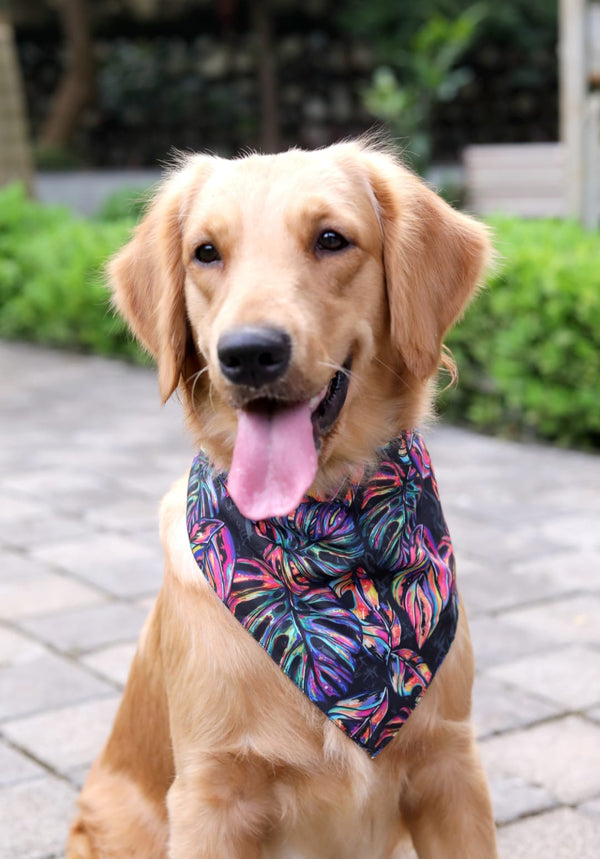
(330, 240)
(207, 253)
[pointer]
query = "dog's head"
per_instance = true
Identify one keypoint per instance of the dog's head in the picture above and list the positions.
(299, 301)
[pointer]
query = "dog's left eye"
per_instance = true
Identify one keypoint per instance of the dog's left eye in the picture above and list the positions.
(207, 253)
(329, 240)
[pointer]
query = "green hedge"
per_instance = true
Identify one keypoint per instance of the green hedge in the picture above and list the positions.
(51, 277)
(528, 348)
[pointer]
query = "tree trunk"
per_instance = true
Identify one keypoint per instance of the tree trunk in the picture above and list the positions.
(76, 88)
(15, 152)
(267, 80)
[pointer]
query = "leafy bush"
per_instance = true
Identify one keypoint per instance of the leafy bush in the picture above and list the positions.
(528, 349)
(51, 277)
(125, 204)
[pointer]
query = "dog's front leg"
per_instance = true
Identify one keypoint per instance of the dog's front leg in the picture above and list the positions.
(449, 811)
(220, 808)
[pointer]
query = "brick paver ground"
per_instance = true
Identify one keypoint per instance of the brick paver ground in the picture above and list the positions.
(85, 454)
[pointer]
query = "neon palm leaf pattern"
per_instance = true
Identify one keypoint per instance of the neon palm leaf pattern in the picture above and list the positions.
(353, 597)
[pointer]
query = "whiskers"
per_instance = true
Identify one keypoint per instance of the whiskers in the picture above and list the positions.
(193, 380)
(399, 376)
(337, 368)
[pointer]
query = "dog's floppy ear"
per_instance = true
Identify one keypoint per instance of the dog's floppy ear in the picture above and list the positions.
(148, 275)
(434, 259)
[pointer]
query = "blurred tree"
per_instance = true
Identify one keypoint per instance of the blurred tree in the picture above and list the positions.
(425, 71)
(267, 80)
(15, 152)
(431, 76)
(76, 88)
(436, 52)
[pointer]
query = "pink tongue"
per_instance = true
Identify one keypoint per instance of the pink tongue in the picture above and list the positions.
(274, 461)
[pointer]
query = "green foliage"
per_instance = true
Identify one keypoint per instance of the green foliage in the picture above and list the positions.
(389, 27)
(528, 349)
(51, 277)
(126, 204)
(429, 74)
(450, 72)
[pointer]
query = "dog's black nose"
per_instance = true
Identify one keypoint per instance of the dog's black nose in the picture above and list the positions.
(254, 356)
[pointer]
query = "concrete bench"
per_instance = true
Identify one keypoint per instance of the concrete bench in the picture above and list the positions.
(526, 179)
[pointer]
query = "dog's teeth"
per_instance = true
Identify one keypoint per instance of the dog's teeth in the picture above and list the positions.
(314, 401)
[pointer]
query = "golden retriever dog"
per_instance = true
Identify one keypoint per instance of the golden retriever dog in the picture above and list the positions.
(298, 303)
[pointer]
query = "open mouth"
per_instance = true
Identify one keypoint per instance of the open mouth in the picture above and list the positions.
(325, 407)
(328, 407)
(275, 455)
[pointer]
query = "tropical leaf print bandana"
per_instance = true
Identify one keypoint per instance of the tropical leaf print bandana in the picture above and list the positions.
(353, 597)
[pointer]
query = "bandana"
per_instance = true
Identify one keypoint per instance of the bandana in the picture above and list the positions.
(353, 597)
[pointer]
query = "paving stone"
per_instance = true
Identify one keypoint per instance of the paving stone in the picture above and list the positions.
(513, 798)
(102, 460)
(45, 683)
(153, 483)
(570, 675)
(591, 808)
(15, 509)
(78, 775)
(87, 481)
(499, 707)
(16, 566)
(572, 497)
(562, 756)
(127, 514)
(467, 566)
(560, 834)
(578, 531)
(146, 603)
(47, 529)
(474, 490)
(118, 564)
(66, 738)
(23, 520)
(452, 445)
(493, 541)
(56, 485)
(15, 766)
(87, 628)
(112, 662)
(594, 714)
(500, 589)
(495, 641)
(42, 593)
(34, 818)
(572, 620)
(565, 572)
(15, 648)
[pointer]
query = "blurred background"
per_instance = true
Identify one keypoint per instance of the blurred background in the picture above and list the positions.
(495, 104)
(118, 83)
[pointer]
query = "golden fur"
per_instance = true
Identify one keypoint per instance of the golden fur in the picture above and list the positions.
(214, 753)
